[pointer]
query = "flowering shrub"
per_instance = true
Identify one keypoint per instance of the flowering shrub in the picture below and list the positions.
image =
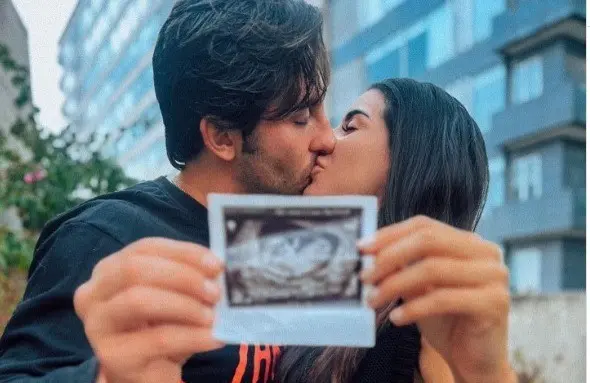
(43, 174)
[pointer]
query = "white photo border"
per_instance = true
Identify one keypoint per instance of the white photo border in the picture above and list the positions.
(315, 325)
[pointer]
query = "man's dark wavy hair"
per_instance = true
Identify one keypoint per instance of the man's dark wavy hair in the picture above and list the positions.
(236, 62)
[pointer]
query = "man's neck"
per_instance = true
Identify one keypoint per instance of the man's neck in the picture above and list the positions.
(201, 177)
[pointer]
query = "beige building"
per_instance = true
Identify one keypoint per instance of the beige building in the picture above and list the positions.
(13, 34)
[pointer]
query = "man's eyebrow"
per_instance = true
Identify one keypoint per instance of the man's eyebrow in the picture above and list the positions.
(354, 112)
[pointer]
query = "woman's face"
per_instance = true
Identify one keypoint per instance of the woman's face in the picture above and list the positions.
(360, 161)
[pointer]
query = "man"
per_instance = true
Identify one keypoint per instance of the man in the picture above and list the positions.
(121, 288)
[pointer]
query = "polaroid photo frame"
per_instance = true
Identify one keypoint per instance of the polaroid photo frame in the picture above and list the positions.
(292, 268)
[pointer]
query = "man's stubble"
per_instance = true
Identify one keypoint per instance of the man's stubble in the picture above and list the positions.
(259, 172)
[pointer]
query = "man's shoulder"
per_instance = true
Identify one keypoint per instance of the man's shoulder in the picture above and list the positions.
(125, 215)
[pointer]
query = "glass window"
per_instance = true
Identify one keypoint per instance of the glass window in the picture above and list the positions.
(441, 41)
(525, 270)
(409, 53)
(68, 54)
(462, 24)
(527, 80)
(527, 177)
(575, 166)
(368, 12)
(484, 12)
(496, 197)
(342, 21)
(388, 66)
(86, 18)
(462, 90)
(371, 11)
(489, 96)
(95, 4)
(417, 50)
(580, 102)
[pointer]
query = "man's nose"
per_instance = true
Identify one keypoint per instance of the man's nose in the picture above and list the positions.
(324, 140)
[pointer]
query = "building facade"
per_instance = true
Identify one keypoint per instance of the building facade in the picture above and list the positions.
(106, 53)
(13, 35)
(519, 68)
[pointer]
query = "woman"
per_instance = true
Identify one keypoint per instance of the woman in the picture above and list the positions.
(417, 149)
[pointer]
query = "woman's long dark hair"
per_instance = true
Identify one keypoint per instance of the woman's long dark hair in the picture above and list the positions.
(439, 168)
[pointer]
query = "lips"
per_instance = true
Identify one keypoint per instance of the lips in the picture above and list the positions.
(316, 169)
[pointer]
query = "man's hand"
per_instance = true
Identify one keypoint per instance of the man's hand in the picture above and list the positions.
(147, 308)
(455, 288)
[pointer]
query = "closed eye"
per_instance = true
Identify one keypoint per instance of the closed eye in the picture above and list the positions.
(347, 128)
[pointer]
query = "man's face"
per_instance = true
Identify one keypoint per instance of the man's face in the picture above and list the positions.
(278, 157)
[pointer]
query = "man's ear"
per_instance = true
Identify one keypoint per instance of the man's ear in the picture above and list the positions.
(225, 144)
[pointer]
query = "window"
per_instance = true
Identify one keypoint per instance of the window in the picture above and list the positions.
(527, 80)
(462, 90)
(86, 18)
(342, 22)
(388, 66)
(371, 11)
(580, 103)
(575, 166)
(417, 55)
(496, 197)
(441, 39)
(368, 12)
(409, 53)
(489, 96)
(95, 4)
(527, 178)
(462, 25)
(409, 60)
(484, 12)
(525, 270)
(68, 55)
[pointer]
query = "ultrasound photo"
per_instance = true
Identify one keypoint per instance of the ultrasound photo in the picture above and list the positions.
(292, 255)
(291, 269)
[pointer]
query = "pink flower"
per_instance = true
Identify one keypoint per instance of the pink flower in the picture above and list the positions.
(29, 178)
(37, 175)
(40, 175)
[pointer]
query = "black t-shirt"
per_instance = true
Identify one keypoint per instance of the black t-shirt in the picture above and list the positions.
(45, 341)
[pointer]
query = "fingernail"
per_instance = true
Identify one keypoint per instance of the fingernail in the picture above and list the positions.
(366, 241)
(396, 315)
(367, 274)
(211, 288)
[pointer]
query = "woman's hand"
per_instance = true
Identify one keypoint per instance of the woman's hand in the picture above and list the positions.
(455, 288)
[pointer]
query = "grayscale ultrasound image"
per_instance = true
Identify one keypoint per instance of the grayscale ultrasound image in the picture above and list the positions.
(303, 255)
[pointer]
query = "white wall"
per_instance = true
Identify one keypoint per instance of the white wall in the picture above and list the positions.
(551, 331)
